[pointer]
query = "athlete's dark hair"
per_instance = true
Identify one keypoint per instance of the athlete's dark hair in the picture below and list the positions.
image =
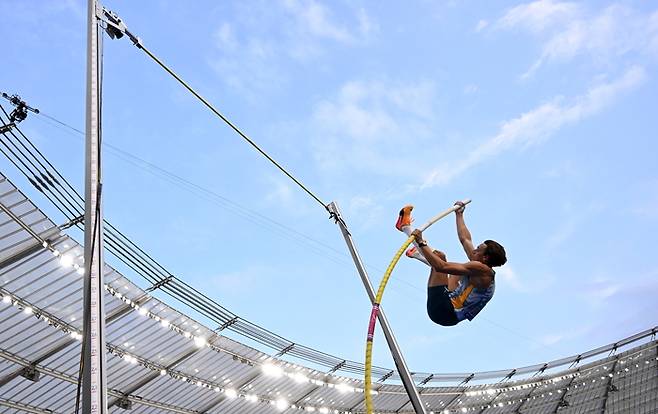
(495, 253)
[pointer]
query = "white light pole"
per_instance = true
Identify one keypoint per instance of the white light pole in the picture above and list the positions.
(94, 376)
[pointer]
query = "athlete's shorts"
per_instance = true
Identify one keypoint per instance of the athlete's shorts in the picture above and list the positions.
(439, 306)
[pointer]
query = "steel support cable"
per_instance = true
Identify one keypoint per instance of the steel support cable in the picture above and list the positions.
(237, 208)
(213, 311)
(209, 195)
(229, 123)
(19, 148)
(43, 158)
(46, 188)
(155, 263)
(438, 377)
(119, 252)
(124, 247)
(43, 191)
(181, 288)
(127, 255)
(36, 172)
(256, 333)
(378, 301)
(27, 175)
(128, 258)
(260, 334)
(78, 209)
(127, 251)
(208, 309)
(187, 294)
(256, 330)
(42, 187)
(306, 352)
(260, 337)
(71, 191)
(268, 219)
(61, 123)
(69, 213)
(135, 248)
(122, 234)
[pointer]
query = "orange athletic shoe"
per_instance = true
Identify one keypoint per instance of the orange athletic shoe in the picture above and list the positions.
(411, 252)
(405, 217)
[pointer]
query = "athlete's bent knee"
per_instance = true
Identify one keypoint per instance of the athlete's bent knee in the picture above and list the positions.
(440, 254)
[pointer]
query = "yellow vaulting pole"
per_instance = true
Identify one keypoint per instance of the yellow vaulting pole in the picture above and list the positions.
(378, 300)
(400, 364)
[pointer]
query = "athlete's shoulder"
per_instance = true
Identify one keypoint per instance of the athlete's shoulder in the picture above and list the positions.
(481, 275)
(479, 268)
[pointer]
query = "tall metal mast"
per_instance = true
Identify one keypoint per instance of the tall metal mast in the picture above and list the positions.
(400, 364)
(94, 376)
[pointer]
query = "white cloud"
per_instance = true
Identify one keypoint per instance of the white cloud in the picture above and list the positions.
(360, 122)
(647, 208)
(225, 37)
(572, 216)
(551, 339)
(601, 294)
(612, 33)
(365, 211)
(482, 24)
(561, 233)
(539, 15)
(538, 124)
(280, 191)
(361, 128)
(653, 31)
(361, 203)
(634, 292)
(555, 338)
(246, 64)
(509, 278)
(471, 89)
(367, 26)
(315, 19)
(567, 31)
(566, 169)
(598, 292)
(263, 38)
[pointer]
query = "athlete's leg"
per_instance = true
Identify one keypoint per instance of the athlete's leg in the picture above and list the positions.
(439, 307)
(438, 278)
(414, 253)
(404, 225)
(453, 282)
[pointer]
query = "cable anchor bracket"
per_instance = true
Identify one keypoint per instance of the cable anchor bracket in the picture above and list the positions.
(7, 127)
(335, 216)
(116, 28)
(20, 111)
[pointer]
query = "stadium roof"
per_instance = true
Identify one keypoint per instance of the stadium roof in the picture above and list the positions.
(161, 360)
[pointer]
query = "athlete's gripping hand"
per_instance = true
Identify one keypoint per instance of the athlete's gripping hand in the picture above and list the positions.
(461, 208)
(418, 236)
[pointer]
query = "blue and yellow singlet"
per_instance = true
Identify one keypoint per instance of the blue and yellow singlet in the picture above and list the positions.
(468, 300)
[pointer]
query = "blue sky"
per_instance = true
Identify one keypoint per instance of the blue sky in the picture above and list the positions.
(541, 112)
